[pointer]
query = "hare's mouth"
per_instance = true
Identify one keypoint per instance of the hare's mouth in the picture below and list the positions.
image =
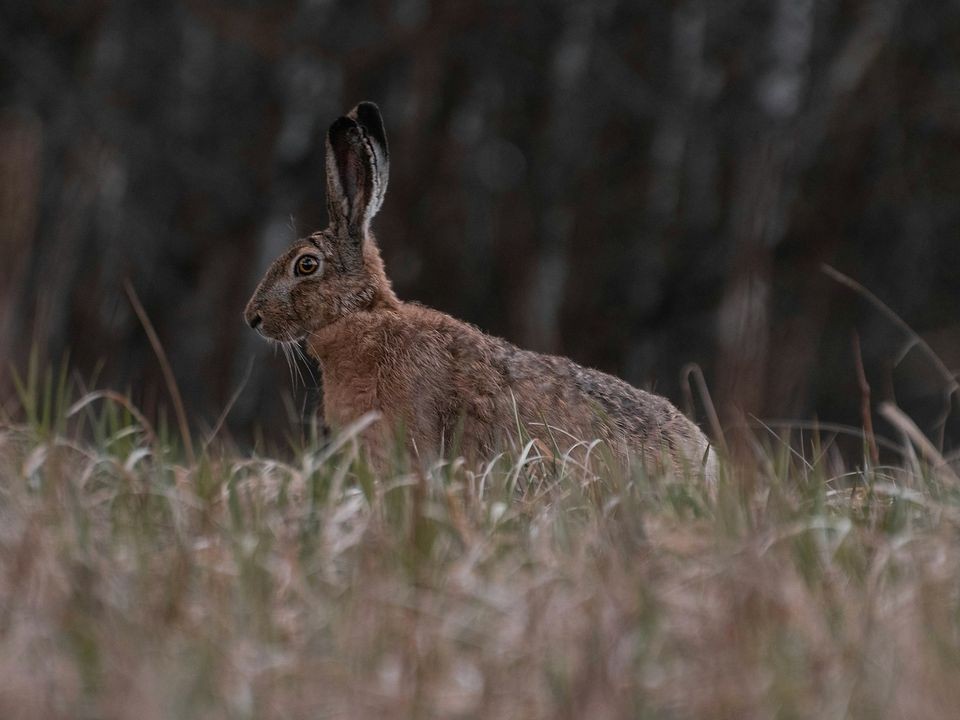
(281, 338)
(278, 334)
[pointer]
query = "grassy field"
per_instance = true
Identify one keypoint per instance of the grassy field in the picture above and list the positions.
(135, 583)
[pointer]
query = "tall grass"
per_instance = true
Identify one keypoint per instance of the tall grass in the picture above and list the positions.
(136, 584)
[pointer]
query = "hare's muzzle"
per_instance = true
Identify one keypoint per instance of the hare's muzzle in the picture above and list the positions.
(253, 319)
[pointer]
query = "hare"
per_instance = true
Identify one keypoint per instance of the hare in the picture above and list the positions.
(446, 384)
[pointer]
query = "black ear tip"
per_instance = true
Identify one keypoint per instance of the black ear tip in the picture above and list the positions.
(368, 115)
(367, 111)
(340, 126)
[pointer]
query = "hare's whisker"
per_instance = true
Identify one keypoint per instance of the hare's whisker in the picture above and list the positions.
(286, 356)
(295, 359)
(306, 361)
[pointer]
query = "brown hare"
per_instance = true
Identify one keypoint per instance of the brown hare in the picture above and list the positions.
(444, 383)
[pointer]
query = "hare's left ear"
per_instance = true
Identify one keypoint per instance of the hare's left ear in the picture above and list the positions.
(358, 167)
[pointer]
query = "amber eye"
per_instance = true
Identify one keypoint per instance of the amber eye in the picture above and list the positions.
(306, 265)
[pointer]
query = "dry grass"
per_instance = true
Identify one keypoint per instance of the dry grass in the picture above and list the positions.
(135, 585)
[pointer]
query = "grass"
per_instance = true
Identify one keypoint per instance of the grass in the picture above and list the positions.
(135, 583)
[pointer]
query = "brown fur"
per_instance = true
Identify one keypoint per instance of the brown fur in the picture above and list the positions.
(442, 381)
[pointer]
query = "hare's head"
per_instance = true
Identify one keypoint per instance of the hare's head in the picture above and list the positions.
(336, 271)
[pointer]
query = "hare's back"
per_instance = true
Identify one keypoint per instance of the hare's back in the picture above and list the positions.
(494, 382)
(634, 410)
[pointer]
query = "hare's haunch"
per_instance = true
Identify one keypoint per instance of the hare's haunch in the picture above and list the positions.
(446, 384)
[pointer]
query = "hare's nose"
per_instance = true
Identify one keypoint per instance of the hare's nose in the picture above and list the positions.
(254, 320)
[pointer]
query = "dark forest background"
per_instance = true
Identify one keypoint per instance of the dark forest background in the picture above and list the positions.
(638, 185)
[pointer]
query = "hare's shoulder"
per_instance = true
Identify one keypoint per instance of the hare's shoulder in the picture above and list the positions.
(424, 324)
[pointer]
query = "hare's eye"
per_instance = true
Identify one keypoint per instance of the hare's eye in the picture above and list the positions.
(306, 265)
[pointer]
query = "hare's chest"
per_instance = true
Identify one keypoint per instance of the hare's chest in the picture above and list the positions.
(349, 391)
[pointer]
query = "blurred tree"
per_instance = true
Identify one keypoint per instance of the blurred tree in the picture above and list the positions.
(635, 184)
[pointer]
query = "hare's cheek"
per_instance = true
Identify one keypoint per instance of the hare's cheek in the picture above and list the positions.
(302, 301)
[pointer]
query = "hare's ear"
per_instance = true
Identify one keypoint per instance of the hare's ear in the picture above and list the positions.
(358, 167)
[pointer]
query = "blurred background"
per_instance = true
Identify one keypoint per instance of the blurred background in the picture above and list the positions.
(638, 185)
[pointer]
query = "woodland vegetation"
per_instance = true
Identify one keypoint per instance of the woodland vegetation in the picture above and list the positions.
(637, 185)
